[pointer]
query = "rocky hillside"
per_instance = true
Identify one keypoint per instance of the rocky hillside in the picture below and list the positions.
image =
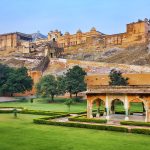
(132, 55)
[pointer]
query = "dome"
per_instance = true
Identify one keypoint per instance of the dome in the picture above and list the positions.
(79, 31)
(93, 29)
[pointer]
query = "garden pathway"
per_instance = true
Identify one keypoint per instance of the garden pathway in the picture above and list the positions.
(109, 123)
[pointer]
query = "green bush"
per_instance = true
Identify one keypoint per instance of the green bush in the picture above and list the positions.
(81, 112)
(80, 125)
(11, 107)
(23, 99)
(84, 119)
(77, 99)
(48, 100)
(140, 131)
(40, 112)
(135, 123)
(119, 112)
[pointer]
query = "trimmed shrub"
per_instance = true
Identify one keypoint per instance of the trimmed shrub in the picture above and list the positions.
(135, 123)
(80, 125)
(23, 99)
(141, 131)
(40, 112)
(81, 112)
(84, 119)
(1, 107)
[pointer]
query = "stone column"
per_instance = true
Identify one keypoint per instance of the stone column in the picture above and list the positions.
(126, 106)
(147, 113)
(89, 109)
(107, 108)
(146, 116)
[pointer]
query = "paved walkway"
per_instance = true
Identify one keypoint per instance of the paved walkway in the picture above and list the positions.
(7, 99)
(109, 123)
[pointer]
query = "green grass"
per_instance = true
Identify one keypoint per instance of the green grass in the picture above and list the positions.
(22, 134)
(60, 107)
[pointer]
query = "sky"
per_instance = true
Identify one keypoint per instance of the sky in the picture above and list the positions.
(108, 16)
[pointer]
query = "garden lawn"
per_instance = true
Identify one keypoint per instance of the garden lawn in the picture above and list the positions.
(22, 134)
(57, 107)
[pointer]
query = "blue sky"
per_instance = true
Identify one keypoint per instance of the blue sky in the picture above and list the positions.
(108, 16)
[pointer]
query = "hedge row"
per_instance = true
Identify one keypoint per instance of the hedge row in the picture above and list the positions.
(80, 125)
(1, 107)
(140, 131)
(47, 121)
(135, 123)
(37, 112)
(81, 112)
(40, 112)
(83, 119)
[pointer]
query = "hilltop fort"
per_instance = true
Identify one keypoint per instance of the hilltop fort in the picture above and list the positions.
(94, 51)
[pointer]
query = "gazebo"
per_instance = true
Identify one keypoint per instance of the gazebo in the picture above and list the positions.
(98, 89)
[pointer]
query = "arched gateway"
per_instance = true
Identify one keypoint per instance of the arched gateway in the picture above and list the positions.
(137, 91)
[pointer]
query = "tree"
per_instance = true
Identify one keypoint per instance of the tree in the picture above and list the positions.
(14, 80)
(47, 86)
(74, 80)
(61, 85)
(68, 103)
(117, 79)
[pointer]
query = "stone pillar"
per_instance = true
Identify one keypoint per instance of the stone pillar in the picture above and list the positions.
(107, 108)
(126, 106)
(89, 109)
(147, 113)
(148, 116)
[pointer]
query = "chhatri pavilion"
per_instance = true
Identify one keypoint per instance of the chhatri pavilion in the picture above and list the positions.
(99, 91)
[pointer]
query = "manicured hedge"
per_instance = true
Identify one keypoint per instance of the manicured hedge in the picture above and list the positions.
(80, 125)
(40, 112)
(83, 119)
(37, 112)
(141, 131)
(123, 112)
(1, 107)
(135, 123)
(81, 112)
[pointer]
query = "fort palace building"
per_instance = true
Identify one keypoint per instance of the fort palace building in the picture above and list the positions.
(13, 40)
(136, 32)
